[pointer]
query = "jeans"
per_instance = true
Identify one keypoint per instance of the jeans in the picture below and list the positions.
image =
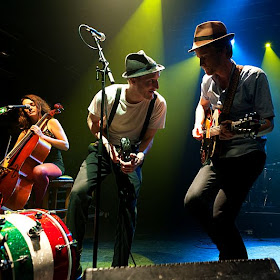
(81, 197)
(216, 196)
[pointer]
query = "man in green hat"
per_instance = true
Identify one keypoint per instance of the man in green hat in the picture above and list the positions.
(135, 112)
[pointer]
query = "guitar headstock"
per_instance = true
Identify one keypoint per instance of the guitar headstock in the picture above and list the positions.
(249, 124)
(57, 109)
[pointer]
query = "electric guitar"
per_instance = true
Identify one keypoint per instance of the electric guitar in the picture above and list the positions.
(246, 127)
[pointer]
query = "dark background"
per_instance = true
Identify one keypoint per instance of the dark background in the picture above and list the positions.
(42, 53)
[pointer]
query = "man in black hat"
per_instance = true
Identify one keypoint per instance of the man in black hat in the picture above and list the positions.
(135, 112)
(233, 151)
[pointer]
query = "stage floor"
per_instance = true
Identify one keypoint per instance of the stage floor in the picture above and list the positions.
(192, 246)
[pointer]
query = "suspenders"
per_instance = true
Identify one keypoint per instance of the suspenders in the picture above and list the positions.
(148, 116)
(115, 105)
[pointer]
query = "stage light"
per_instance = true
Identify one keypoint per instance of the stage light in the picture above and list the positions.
(232, 42)
(143, 30)
(267, 45)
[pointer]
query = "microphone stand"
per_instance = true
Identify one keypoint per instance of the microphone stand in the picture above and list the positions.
(105, 71)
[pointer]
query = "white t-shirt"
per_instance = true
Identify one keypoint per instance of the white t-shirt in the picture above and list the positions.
(129, 118)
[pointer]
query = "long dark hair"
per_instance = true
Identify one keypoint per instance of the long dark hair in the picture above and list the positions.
(42, 106)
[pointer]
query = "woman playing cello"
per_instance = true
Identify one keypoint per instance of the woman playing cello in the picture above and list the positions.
(53, 133)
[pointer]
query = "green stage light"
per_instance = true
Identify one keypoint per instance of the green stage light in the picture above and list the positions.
(267, 45)
(143, 31)
(179, 84)
(271, 66)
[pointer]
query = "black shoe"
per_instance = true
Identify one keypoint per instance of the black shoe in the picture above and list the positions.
(79, 273)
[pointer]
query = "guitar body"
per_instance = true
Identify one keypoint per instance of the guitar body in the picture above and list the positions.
(246, 127)
(207, 149)
(209, 142)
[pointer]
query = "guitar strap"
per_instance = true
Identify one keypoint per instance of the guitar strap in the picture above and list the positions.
(211, 148)
(230, 93)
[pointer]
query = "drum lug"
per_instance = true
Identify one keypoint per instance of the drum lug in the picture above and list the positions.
(2, 221)
(60, 247)
(74, 243)
(5, 264)
(22, 259)
(3, 239)
(35, 231)
(38, 215)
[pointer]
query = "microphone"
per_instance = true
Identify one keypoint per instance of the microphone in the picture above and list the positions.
(19, 106)
(99, 35)
(10, 107)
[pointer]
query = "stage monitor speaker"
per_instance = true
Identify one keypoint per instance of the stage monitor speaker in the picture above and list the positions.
(259, 269)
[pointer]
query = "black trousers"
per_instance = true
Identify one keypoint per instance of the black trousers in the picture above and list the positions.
(81, 197)
(216, 196)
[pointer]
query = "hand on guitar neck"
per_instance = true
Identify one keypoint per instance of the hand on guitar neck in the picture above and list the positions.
(228, 129)
(246, 127)
(225, 131)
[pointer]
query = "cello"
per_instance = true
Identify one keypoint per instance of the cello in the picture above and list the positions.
(17, 166)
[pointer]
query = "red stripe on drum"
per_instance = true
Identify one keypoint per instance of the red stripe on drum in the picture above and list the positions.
(65, 237)
(60, 240)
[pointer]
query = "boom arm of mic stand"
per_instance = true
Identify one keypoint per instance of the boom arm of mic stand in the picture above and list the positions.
(110, 75)
(105, 62)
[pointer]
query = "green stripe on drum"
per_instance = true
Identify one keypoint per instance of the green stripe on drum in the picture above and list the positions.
(16, 247)
(39, 247)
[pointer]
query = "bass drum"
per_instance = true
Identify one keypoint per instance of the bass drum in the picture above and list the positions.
(35, 244)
